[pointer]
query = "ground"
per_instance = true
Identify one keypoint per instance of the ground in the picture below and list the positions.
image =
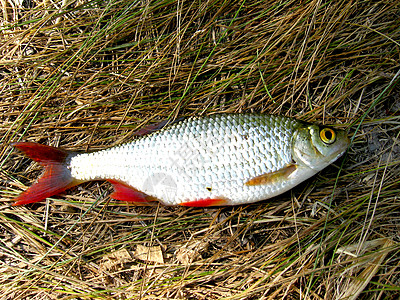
(85, 75)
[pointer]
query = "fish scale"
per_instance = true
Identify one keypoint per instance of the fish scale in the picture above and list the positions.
(222, 159)
(203, 158)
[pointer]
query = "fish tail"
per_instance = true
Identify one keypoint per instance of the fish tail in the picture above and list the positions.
(56, 177)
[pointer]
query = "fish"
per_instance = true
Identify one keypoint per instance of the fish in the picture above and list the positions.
(216, 160)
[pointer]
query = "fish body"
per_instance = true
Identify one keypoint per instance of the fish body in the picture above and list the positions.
(222, 159)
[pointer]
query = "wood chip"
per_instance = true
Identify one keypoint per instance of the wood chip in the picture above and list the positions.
(115, 260)
(150, 254)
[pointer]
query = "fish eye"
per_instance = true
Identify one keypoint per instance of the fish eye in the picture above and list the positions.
(327, 135)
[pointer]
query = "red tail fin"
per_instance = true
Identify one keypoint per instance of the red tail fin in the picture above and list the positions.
(56, 177)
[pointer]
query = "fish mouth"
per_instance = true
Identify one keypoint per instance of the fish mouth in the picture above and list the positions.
(342, 147)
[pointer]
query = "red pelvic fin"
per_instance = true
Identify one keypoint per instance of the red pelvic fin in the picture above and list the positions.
(206, 202)
(125, 192)
(56, 177)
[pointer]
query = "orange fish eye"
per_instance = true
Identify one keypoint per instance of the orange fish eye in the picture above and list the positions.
(327, 135)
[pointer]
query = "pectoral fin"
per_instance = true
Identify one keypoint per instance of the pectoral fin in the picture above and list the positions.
(281, 174)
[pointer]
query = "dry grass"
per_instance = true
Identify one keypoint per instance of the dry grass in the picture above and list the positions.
(84, 75)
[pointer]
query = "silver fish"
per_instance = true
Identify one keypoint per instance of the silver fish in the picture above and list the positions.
(222, 159)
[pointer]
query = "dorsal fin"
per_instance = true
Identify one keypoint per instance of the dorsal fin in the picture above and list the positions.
(155, 127)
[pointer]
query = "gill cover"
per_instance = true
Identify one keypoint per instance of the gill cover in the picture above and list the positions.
(316, 147)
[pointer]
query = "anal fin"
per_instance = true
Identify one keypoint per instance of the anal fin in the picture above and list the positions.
(127, 193)
(281, 174)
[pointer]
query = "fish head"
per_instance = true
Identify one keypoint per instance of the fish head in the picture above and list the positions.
(316, 146)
